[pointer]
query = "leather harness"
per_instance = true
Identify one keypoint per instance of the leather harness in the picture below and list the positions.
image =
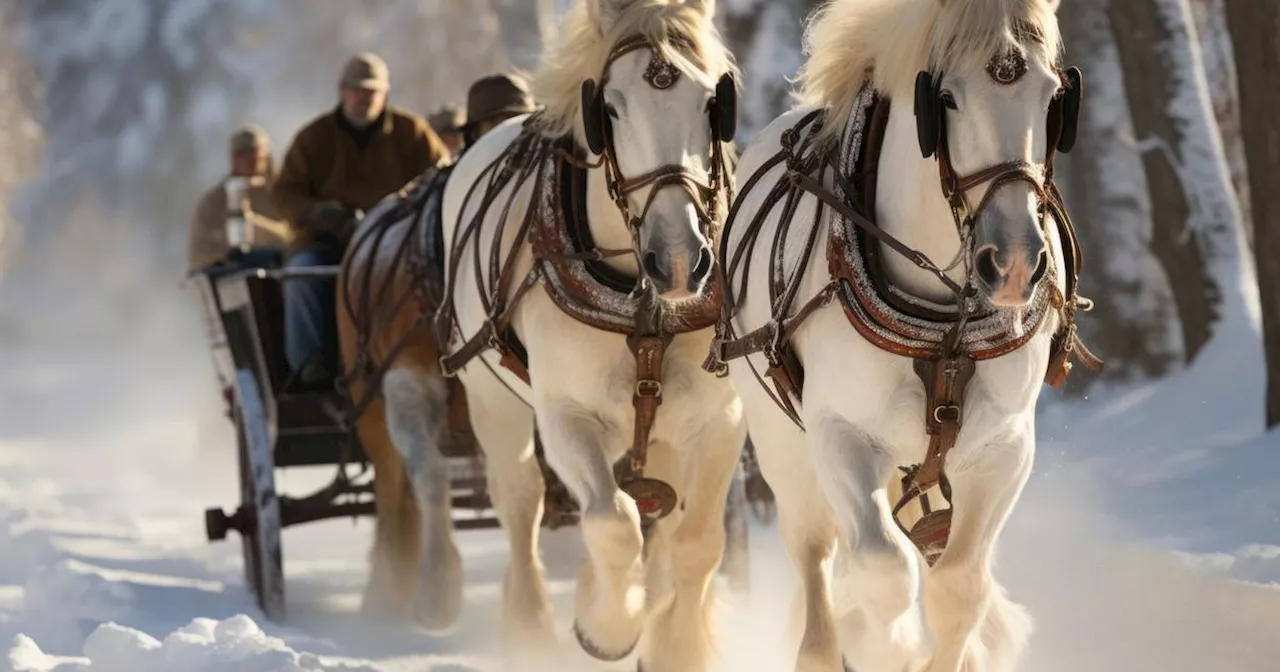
(941, 340)
(571, 268)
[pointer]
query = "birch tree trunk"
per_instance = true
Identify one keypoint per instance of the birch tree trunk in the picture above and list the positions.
(1254, 25)
(1197, 235)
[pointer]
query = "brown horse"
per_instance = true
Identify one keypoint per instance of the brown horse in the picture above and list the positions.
(410, 418)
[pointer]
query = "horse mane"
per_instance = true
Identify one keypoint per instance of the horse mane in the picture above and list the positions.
(886, 42)
(580, 53)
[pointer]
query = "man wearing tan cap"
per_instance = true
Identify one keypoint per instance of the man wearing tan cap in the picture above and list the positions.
(239, 206)
(447, 122)
(342, 163)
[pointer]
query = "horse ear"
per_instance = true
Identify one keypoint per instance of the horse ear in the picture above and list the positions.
(605, 13)
(928, 112)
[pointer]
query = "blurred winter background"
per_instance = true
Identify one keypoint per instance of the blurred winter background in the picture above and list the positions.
(1148, 538)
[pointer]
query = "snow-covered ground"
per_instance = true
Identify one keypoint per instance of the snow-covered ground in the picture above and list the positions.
(1148, 539)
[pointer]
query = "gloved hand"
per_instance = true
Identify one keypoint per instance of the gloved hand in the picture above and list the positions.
(326, 216)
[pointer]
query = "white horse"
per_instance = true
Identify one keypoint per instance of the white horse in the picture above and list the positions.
(986, 76)
(656, 70)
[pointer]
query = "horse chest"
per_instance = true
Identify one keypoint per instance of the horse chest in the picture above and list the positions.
(880, 395)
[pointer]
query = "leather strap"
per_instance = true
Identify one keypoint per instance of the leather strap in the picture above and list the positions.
(945, 381)
(654, 499)
(648, 352)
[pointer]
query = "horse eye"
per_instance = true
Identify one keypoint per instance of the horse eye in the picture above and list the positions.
(949, 100)
(611, 111)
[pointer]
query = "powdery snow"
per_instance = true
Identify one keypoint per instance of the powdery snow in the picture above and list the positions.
(1148, 528)
(204, 645)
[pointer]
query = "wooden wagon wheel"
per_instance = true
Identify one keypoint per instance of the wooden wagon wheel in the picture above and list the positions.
(263, 560)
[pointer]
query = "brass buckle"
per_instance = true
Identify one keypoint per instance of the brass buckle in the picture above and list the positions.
(648, 388)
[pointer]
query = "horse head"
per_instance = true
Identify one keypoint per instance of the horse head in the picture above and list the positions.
(657, 114)
(992, 113)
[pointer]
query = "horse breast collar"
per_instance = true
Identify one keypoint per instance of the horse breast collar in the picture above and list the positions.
(884, 314)
(573, 271)
(945, 341)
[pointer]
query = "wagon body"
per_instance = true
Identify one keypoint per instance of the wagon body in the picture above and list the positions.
(243, 312)
(242, 309)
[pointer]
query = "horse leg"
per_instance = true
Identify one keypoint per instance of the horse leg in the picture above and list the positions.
(882, 631)
(807, 526)
(417, 406)
(395, 547)
(680, 635)
(663, 464)
(503, 425)
(609, 605)
(975, 627)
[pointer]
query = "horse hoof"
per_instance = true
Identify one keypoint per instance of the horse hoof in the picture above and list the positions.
(598, 653)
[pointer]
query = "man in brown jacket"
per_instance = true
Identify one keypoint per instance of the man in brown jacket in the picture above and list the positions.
(251, 164)
(341, 164)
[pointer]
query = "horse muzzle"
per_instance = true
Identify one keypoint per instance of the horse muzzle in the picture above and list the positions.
(679, 273)
(1009, 274)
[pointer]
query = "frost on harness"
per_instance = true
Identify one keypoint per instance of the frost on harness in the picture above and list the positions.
(944, 341)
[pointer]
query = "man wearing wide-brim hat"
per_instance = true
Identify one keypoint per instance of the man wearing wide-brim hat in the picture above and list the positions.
(494, 99)
(343, 162)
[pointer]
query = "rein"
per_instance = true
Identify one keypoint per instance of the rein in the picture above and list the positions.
(561, 270)
(946, 372)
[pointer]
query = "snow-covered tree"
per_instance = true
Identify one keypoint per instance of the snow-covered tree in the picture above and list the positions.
(1133, 326)
(141, 96)
(130, 88)
(20, 136)
(1220, 74)
(1253, 31)
(1198, 237)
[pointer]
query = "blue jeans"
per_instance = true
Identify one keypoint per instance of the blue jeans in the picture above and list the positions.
(310, 306)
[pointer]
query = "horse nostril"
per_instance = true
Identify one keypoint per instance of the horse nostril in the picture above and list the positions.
(985, 264)
(651, 267)
(1042, 265)
(702, 269)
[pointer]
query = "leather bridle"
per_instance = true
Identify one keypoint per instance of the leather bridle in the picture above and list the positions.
(930, 118)
(703, 187)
